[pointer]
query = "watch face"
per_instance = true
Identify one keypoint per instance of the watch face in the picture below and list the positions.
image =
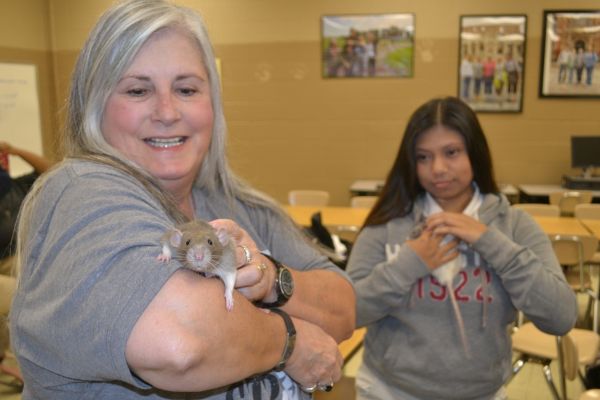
(286, 283)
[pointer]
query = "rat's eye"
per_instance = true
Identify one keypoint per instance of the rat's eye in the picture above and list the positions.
(187, 242)
(210, 242)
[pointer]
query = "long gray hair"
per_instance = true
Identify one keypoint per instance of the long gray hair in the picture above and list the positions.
(109, 50)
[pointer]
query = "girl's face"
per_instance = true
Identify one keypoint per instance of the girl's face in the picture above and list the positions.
(443, 167)
(160, 113)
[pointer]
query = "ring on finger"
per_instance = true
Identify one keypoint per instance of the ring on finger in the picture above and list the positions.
(247, 254)
(326, 387)
(261, 267)
(309, 389)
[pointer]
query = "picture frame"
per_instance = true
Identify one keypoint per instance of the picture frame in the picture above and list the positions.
(569, 66)
(368, 45)
(491, 67)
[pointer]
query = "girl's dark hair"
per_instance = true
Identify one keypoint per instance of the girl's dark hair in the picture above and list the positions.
(402, 186)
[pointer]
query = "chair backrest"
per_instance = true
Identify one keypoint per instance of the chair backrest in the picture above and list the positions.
(566, 200)
(568, 356)
(363, 201)
(587, 211)
(574, 249)
(308, 197)
(543, 210)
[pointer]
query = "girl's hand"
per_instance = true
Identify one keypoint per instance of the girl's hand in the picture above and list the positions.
(461, 226)
(428, 248)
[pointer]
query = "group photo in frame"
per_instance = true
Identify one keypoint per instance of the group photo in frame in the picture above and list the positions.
(491, 62)
(570, 53)
(367, 46)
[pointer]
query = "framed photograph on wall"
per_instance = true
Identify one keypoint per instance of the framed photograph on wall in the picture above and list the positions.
(570, 54)
(367, 46)
(491, 62)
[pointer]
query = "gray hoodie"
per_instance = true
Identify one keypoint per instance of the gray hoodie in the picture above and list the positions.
(413, 341)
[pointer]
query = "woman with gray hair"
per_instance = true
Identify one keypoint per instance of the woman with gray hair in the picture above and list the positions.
(96, 314)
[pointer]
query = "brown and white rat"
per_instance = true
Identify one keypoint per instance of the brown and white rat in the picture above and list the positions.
(201, 248)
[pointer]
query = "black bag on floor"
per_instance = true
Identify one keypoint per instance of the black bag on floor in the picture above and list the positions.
(592, 377)
(322, 237)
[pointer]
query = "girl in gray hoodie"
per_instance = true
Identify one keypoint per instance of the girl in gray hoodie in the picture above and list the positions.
(440, 234)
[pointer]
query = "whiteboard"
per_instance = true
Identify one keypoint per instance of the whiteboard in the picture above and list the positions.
(20, 123)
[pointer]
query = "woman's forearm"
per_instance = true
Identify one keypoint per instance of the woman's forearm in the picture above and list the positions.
(186, 340)
(326, 299)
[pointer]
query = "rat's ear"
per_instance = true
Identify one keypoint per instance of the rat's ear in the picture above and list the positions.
(223, 236)
(175, 236)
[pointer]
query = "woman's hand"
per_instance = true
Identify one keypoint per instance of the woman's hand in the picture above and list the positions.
(316, 359)
(461, 226)
(429, 248)
(255, 277)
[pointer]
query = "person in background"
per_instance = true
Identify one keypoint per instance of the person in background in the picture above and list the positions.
(489, 66)
(477, 77)
(96, 314)
(513, 72)
(564, 61)
(590, 58)
(500, 78)
(578, 62)
(466, 74)
(440, 207)
(12, 193)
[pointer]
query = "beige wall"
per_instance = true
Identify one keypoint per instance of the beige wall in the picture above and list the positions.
(289, 128)
(25, 39)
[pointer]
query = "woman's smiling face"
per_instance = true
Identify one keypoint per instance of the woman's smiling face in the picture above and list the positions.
(160, 113)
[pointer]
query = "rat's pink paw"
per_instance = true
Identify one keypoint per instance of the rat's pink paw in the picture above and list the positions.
(163, 257)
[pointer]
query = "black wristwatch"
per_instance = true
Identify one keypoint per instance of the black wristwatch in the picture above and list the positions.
(284, 285)
(290, 339)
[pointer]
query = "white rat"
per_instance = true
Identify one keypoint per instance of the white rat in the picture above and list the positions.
(445, 274)
(200, 247)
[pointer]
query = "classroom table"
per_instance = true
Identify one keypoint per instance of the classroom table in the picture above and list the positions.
(541, 193)
(561, 225)
(593, 225)
(330, 215)
(572, 226)
(366, 187)
(350, 346)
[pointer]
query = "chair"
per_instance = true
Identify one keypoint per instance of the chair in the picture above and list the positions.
(308, 197)
(7, 289)
(363, 201)
(543, 210)
(573, 253)
(566, 200)
(589, 211)
(577, 349)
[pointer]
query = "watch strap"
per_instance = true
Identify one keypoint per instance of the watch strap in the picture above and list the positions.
(290, 339)
(282, 298)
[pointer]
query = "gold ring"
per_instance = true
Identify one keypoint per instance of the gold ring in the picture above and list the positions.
(247, 254)
(309, 389)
